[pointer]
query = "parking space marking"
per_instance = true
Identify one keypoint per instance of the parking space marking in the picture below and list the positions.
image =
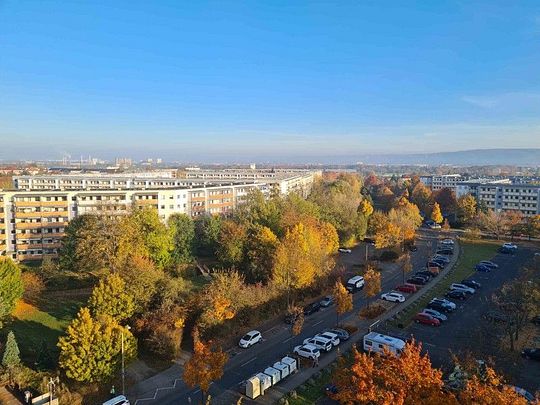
(315, 324)
(249, 361)
(286, 340)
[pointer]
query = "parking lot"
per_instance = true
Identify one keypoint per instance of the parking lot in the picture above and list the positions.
(466, 330)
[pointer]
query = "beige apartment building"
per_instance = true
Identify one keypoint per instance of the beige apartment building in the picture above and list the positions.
(33, 217)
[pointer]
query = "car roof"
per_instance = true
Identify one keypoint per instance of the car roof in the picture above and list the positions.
(355, 279)
(309, 346)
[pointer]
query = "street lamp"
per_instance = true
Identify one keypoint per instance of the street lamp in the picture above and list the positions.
(51, 384)
(123, 363)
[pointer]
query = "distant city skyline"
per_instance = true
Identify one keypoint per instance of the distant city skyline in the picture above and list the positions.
(267, 81)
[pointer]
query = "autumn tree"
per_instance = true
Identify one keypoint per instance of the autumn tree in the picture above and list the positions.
(231, 243)
(343, 299)
(467, 208)
(531, 226)
(11, 286)
(261, 248)
(406, 219)
(386, 233)
(421, 196)
(90, 349)
(33, 286)
(493, 222)
(183, 237)
(205, 365)
(436, 214)
(365, 209)
(513, 222)
(446, 198)
(372, 280)
(110, 298)
(406, 266)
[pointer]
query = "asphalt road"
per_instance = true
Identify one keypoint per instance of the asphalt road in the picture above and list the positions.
(278, 341)
(466, 329)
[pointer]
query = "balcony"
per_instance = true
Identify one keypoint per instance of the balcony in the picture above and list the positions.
(28, 225)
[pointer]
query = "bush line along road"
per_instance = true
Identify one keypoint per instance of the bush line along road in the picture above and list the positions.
(168, 388)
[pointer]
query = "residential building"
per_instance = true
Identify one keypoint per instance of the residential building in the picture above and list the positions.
(438, 182)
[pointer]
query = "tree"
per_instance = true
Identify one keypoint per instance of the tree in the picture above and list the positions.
(11, 357)
(446, 198)
(493, 222)
(446, 225)
(110, 298)
(372, 280)
(514, 222)
(207, 229)
(44, 359)
(344, 301)
(436, 214)
(531, 227)
(231, 243)
(183, 237)
(11, 287)
(33, 286)
(298, 320)
(421, 196)
(467, 208)
(205, 365)
(406, 266)
(386, 233)
(261, 248)
(91, 349)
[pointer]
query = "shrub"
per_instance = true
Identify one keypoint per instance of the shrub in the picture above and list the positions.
(372, 311)
(472, 233)
(389, 256)
(33, 286)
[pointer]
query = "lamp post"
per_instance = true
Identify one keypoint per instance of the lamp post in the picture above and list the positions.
(51, 384)
(123, 362)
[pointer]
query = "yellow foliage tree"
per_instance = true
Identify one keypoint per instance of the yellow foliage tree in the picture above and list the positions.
(436, 214)
(343, 299)
(372, 280)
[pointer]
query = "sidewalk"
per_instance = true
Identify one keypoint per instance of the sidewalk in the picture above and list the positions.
(7, 398)
(274, 394)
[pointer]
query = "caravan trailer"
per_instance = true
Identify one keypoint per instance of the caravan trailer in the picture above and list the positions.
(376, 343)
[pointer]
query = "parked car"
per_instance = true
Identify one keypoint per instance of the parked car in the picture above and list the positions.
(312, 308)
(462, 287)
(355, 284)
(442, 263)
(432, 263)
(330, 390)
(440, 258)
(489, 263)
(457, 294)
(509, 245)
(407, 288)
(393, 297)
(447, 242)
(341, 333)
(533, 354)
(432, 225)
(417, 281)
(445, 252)
(425, 273)
(481, 268)
(334, 338)
(327, 301)
(320, 343)
(307, 351)
(371, 241)
(507, 251)
(249, 339)
(344, 250)
(437, 306)
(471, 283)
(446, 302)
(523, 393)
(426, 319)
(435, 314)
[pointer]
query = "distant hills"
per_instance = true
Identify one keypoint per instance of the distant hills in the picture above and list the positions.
(477, 157)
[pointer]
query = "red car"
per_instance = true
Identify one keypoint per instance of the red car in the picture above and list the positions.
(426, 319)
(406, 288)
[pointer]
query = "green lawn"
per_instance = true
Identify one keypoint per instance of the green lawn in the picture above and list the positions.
(471, 253)
(311, 393)
(42, 322)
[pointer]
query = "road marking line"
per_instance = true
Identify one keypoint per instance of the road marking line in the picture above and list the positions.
(286, 340)
(249, 361)
(271, 329)
(315, 324)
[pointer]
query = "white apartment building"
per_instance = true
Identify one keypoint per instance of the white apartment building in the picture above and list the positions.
(438, 182)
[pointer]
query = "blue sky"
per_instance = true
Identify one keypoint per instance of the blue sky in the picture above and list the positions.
(268, 80)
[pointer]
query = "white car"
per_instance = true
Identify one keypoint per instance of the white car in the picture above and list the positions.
(462, 287)
(329, 335)
(250, 339)
(448, 242)
(509, 245)
(321, 343)
(444, 301)
(393, 297)
(307, 351)
(344, 250)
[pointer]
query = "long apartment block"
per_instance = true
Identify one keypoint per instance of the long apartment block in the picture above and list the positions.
(33, 217)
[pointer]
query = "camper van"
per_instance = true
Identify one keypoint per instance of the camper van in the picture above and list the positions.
(355, 284)
(376, 343)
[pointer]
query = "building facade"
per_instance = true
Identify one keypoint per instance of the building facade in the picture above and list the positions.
(438, 182)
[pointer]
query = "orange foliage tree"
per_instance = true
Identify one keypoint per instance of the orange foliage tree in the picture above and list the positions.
(372, 279)
(343, 298)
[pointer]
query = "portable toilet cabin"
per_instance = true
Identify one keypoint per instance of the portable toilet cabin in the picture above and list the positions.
(253, 387)
(291, 363)
(266, 382)
(274, 374)
(283, 369)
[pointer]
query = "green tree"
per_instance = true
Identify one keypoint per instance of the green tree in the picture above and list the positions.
(157, 238)
(11, 287)
(91, 349)
(231, 243)
(110, 298)
(261, 246)
(183, 235)
(207, 230)
(44, 359)
(11, 357)
(141, 279)
(467, 208)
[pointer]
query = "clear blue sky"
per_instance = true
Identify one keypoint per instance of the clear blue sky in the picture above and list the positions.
(274, 80)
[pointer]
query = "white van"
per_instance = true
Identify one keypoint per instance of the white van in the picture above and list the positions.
(119, 400)
(354, 284)
(376, 343)
(320, 343)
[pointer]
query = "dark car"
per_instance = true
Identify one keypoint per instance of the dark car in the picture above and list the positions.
(426, 273)
(489, 263)
(533, 354)
(446, 252)
(506, 251)
(437, 306)
(481, 268)
(460, 295)
(441, 261)
(342, 333)
(312, 308)
(435, 264)
(330, 390)
(471, 283)
(417, 280)
(327, 301)
(369, 240)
